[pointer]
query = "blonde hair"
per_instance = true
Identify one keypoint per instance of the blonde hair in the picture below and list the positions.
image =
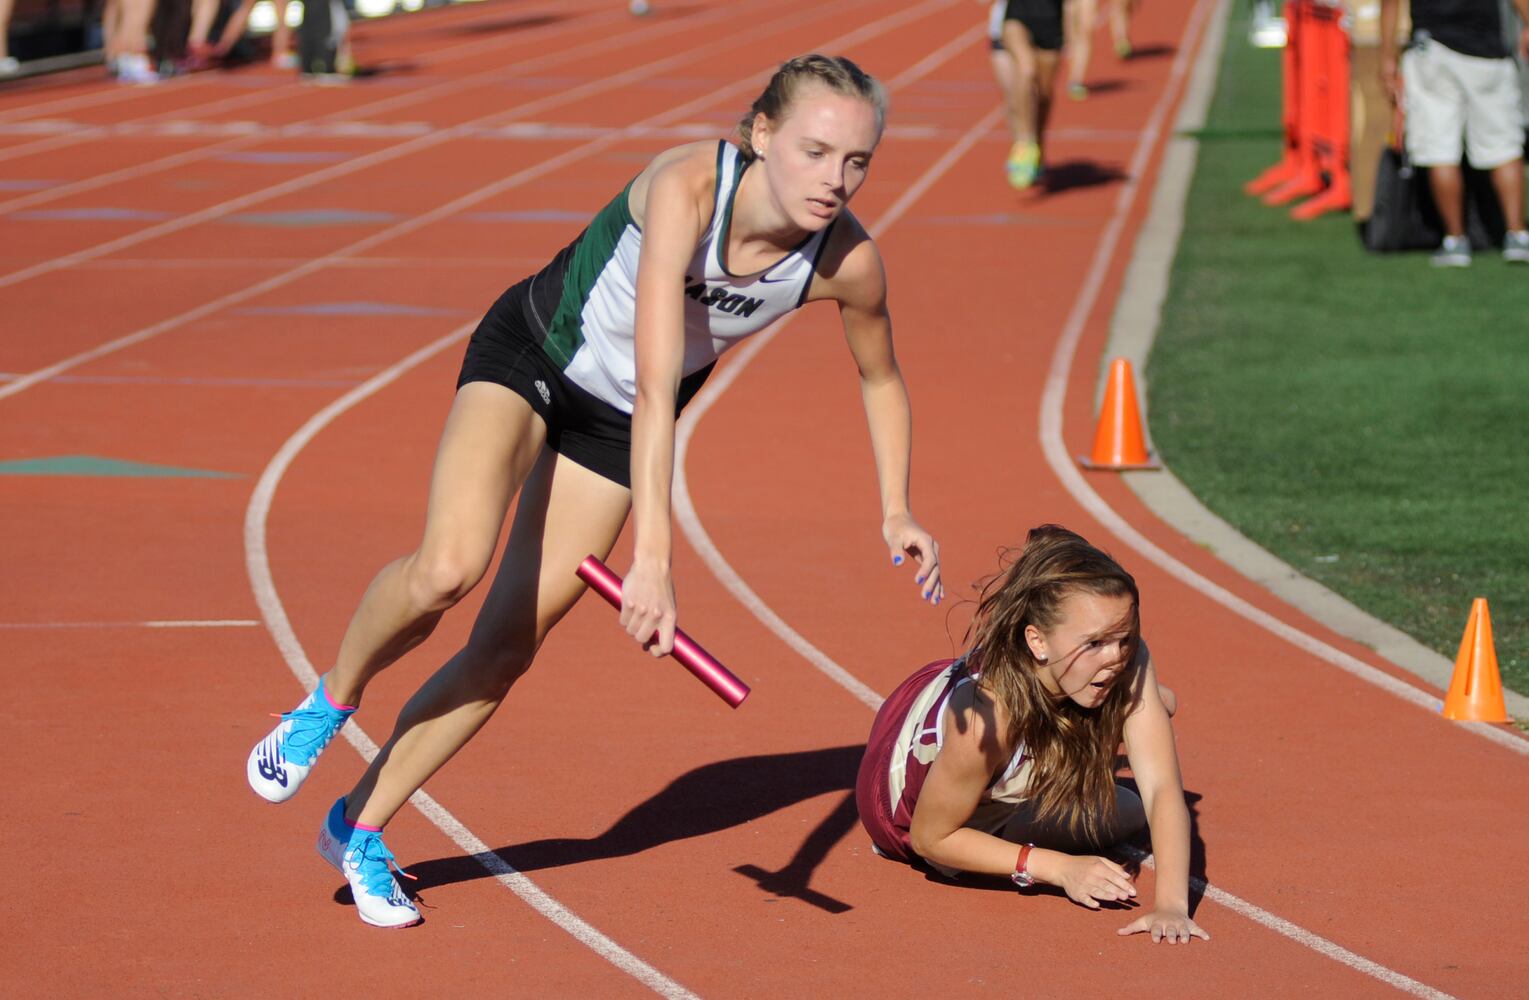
(1073, 748)
(837, 73)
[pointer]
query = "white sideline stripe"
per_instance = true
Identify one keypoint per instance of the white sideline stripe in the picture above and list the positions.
(209, 623)
(263, 586)
(482, 194)
(695, 533)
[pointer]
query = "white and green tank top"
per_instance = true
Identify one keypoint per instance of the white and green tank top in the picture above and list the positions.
(584, 303)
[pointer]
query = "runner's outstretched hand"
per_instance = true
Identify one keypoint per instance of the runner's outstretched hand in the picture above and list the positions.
(906, 538)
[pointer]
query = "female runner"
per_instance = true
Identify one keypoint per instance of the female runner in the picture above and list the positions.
(569, 394)
(1002, 761)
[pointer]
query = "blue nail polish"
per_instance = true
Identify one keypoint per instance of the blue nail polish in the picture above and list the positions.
(918, 579)
(897, 560)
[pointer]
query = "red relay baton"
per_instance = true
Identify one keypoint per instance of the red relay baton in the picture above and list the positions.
(689, 652)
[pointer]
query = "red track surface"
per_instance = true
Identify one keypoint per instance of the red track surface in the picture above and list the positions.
(620, 787)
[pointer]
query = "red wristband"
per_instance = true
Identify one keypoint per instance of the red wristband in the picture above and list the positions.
(1022, 876)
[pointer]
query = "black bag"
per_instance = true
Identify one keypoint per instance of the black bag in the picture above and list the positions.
(1404, 216)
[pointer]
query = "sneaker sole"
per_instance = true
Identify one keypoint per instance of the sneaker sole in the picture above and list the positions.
(392, 927)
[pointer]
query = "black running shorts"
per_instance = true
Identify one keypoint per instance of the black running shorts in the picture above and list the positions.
(1041, 18)
(580, 426)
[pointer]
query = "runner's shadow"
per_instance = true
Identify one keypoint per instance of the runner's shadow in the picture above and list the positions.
(1080, 174)
(1097, 87)
(508, 24)
(1157, 50)
(706, 800)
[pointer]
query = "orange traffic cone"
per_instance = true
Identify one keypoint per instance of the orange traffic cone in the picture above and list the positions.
(1475, 691)
(1119, 442)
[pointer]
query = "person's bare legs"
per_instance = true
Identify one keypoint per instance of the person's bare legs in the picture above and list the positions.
(1120, 26)
(490, 443)
(1079, 16)
(233, 28)
(1034, 72)
(282, 56)
(133, 26)
(5, 25)
(1016, 41)
(1448, 190)
(1508, 180)
(565, 513)
(1005, 73)
(203, 13)
(111, 32)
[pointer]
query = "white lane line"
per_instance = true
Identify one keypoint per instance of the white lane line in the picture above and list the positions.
(686, 515)
(263, 586)
(191, 623)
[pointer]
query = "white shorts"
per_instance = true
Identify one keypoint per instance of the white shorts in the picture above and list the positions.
(1451, 97)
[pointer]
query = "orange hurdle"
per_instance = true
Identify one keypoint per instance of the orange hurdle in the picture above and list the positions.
(1290, 74)
(1315, 114)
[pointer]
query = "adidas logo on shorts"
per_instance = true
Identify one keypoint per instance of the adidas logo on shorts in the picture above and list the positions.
(541, 387)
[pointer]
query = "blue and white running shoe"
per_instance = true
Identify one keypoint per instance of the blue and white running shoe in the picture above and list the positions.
(280, 763)
(364, 860)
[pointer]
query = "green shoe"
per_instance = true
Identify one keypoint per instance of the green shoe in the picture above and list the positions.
(1024, 165)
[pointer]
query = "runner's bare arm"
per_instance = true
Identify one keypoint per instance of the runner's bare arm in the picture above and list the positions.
(675, 192)
(856, 279)
(1155, 764)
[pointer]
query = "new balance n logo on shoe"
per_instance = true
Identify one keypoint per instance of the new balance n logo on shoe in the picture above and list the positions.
(270, 763)
(718, 297)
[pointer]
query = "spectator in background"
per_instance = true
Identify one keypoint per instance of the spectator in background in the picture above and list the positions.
(125, 30)
(282, 56)
(1120, 26)
(1459, 90)
(1003, 65)
(1033, 35)
(1081, 16)
(8, 64)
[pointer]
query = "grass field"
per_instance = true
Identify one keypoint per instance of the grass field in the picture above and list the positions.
(1364, 417)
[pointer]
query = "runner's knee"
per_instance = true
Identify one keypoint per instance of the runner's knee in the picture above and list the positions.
(493, 668)
(438, 579)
